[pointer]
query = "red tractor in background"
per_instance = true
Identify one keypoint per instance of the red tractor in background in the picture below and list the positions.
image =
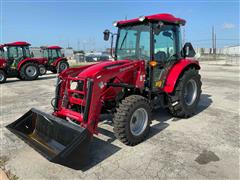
(16, 61)
(151, 70)
(56, 62)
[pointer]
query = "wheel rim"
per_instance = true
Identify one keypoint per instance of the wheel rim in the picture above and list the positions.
(31, 71)
(190, 92)
(1, 77)
(62, 66)
(42, 70)
(138, 122)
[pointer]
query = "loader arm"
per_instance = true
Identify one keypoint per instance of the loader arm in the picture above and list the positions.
(102, 85)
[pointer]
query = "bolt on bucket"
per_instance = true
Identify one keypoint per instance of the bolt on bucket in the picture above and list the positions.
(56, 139)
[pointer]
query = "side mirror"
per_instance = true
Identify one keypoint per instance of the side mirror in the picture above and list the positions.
(188, 50)
(106, 34)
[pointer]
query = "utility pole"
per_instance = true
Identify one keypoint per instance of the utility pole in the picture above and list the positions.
(78, 45)
(213, 41)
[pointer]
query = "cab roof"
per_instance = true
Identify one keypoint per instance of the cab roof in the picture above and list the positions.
(169, 18)
(18, 43)
(54, 47)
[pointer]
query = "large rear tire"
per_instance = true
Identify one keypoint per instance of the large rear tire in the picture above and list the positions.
(132, 120)
(184, 100)
(29, 71)
(3, 76)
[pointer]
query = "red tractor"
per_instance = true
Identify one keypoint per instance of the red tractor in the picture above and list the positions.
(151, 70)
(16, 61)
(56, 61)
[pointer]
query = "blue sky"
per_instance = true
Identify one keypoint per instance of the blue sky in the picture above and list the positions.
(81, 23)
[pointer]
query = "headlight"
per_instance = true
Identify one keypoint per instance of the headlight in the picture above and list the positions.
(73, 85)
(4, 64)
(101, 85)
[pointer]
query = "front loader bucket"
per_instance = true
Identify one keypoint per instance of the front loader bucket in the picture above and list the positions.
(56, 139)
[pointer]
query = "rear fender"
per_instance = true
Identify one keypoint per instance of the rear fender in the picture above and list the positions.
(176, 71)
(55, 63)
(21, 63)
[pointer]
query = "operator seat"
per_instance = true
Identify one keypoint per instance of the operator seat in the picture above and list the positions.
(160, 56)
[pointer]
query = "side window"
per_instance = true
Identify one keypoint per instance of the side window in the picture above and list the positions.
(12, 52)
(164, 43)
(15, 52)
(45, 53)
(54, 53)
(20, 51)
(144, 46)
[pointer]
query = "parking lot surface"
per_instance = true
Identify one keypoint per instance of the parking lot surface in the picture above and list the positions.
(203, 146)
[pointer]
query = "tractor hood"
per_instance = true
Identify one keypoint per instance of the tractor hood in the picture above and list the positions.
(92, 70)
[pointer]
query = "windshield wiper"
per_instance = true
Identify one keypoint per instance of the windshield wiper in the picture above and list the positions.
(124, 38)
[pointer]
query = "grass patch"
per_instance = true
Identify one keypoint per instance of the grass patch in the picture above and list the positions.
(81, 64)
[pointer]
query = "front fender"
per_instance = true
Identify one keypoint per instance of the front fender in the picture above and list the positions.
(176, 71)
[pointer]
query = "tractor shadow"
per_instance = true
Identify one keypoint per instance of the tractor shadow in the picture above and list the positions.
(204, 103)
(103, 149)
(39, 79)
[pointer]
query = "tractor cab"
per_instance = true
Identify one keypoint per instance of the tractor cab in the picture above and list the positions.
(55, 58)
(16, 52)
(156, 39)
(51, 53)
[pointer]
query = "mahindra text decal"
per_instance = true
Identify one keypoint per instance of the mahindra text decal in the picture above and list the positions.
(126, 68)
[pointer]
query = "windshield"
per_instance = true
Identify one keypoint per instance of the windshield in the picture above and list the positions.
(133, 43)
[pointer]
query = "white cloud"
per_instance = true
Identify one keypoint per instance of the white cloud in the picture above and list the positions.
(228, 26)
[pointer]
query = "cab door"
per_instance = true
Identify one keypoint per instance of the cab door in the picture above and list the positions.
(14, 56)
(53, 55)
(166, 51)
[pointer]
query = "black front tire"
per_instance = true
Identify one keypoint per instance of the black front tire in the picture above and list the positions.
(42, 70)
(3, 77)
(123, 116)
(25, 75)
(178, 105)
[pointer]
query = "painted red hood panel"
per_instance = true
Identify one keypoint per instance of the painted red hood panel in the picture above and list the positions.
(92, 70)
(40, 60)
